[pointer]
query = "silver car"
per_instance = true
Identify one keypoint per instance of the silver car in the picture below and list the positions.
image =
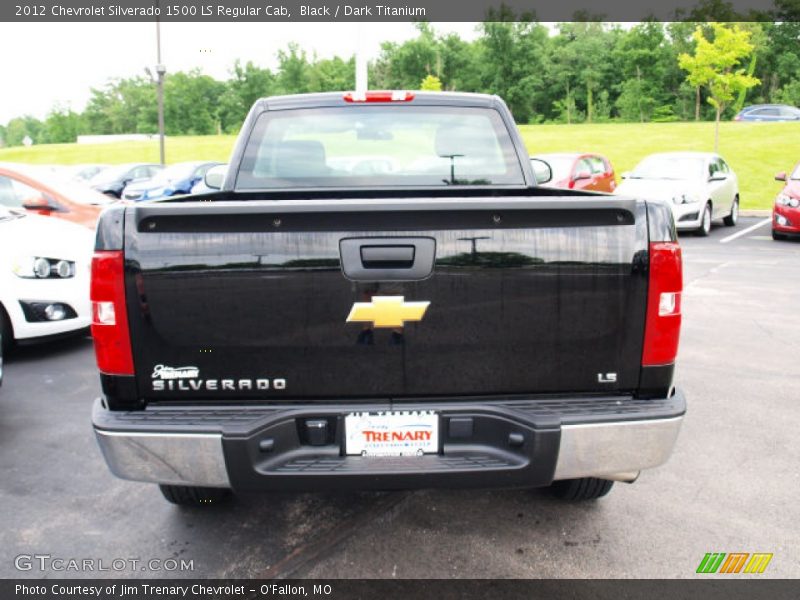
(699, 186)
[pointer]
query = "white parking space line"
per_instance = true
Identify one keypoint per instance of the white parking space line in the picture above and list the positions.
(725, 240)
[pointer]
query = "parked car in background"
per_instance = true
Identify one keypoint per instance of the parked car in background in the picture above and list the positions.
(768, 112)
(38, 190)
(112, 181)
(172, 181)
(44, 277)
(786, 211)
(577, 171)
(84, 173)
(699, 186)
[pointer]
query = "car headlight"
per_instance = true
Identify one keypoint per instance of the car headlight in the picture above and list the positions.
(786, 200)
(37, 267)
(685, 198)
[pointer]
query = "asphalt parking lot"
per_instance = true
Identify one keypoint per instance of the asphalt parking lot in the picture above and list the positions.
(731, 486)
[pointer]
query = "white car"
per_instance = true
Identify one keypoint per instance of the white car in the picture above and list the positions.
(699, 186)
(44, 277)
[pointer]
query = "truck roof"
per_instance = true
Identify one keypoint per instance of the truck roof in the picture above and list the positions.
(328, 99)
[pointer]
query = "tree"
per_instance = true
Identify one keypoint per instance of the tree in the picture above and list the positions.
(717, 66)
(460, 63)
(512, 65)
(789, 94)
(455, 62)
(635, 102)
(247, 84)
(586, 48)
(642, 59)
(18, 128)
(431, 83)
(402, 66)
(561, 73)
(333, 75)
(190, 103)
(293, 70)
(122, 106)
(682, 42)
(62, 126)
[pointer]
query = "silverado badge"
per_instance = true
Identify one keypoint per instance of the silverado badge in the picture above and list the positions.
(387, 311)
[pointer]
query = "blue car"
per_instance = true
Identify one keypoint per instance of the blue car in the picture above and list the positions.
(174, 180)
(768, 112)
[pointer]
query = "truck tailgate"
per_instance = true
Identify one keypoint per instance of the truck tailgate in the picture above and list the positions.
(250, 300)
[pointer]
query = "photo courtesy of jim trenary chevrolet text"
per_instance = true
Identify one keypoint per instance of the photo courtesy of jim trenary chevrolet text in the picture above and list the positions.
(406, 298)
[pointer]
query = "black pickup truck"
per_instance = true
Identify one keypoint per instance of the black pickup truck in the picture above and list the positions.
(378, 295)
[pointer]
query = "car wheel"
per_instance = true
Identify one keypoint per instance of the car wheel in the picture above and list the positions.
(778, 237)
(585, 488)
(185, 495)
(733, 218)
(705, 222)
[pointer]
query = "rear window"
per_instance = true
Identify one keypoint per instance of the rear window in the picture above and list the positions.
(379, 146)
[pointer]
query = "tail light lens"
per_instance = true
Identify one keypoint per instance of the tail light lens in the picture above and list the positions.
(663, 326)
(112, 344)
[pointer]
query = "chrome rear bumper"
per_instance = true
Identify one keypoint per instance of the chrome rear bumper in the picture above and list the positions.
(611, 449)
(195, 459)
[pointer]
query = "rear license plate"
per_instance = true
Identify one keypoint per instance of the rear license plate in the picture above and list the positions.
(402, 433)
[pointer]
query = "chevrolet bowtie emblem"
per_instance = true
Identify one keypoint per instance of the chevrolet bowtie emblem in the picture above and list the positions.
(387, 311)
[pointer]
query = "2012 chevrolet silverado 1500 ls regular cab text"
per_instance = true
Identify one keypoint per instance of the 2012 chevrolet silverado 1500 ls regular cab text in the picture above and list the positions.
(381, 297)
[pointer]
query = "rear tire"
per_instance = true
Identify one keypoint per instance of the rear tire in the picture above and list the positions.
(705, 222)
(185, 495)
(778, 237)
(733, 218)
(578, 490)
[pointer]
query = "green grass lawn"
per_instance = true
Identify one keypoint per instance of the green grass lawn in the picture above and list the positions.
(756, 151)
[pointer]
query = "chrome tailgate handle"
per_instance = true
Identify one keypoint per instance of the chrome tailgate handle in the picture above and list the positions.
(387, 258)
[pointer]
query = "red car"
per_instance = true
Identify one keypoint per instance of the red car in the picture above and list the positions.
(577, 171)
(786, 212)
(39, 191)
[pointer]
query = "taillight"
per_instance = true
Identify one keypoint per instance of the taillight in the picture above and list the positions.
(395, 96)
(112, 344)
(663, 326)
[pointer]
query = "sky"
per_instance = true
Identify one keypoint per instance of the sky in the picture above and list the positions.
(45, 65)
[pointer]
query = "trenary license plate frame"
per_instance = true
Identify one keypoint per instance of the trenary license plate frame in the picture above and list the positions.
(391, 433)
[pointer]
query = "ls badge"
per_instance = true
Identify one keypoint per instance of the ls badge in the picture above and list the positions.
(607, 378)
(387, 311)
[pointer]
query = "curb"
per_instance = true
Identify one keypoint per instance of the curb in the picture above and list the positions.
(753, 212)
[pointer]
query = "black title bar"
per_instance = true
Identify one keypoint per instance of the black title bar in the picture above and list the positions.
(714, 587)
